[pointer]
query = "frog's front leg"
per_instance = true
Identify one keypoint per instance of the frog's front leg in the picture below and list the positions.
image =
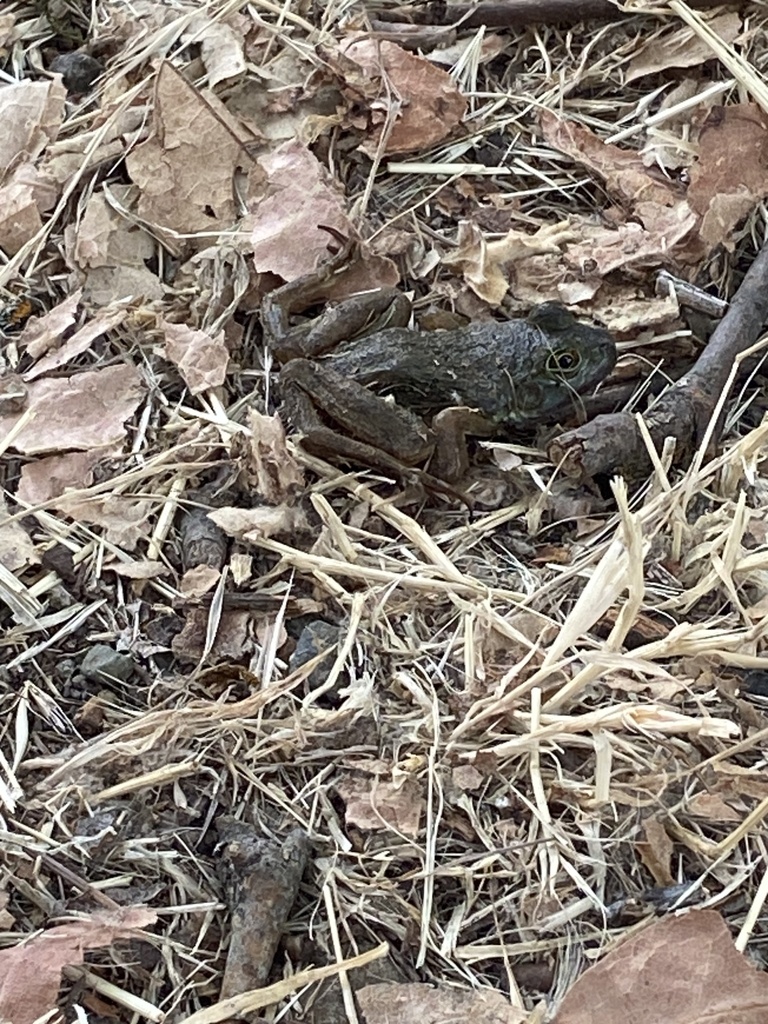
(383, 434)
(451, 426)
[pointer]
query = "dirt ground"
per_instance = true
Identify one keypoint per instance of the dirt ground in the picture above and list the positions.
(295, 739)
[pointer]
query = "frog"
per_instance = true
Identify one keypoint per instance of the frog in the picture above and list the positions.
(362, 386)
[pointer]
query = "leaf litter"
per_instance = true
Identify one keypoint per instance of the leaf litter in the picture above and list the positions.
(531, 738)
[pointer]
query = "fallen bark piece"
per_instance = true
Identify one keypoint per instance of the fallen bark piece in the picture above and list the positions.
(612, 443)
(264, 877)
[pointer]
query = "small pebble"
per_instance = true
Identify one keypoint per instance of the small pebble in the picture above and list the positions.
(78, 70)
(103, 665)
(316, 637)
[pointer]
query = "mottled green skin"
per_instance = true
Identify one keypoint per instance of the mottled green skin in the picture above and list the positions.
(507, 370)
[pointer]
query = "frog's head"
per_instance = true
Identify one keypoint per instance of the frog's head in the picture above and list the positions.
(568, 359)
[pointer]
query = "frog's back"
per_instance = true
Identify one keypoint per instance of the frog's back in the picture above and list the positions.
(502, 368)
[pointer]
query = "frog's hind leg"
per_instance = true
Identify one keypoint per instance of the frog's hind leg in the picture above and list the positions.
(382, 434)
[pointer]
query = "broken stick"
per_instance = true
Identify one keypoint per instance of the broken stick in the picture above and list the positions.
(612, 443)
(516, 13)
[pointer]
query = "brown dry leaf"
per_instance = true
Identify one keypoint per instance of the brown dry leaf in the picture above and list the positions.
(255, 523)
(199, 581)
(221, 47)
(16, 548)
(181, 188)
(737, 782)
(423, 1004)
(45, 479)
(680, 970)
(7, 21)
(623, 171)
(658, 689)
(111, 253)
(712, 807)
(674, 143)
(620, 310)
(23, 198)
(286, 237)
(466, 776)
(31, 114)
(486, 265)
(123, 519)
(80, 341)
(140, 569)
(378, 804)
(201, 360)
(7, 920)
(681, 47)
(603, 250)
(56, 480)
(431, 104)
(86, 410)
(42, 333)
(273, 473)
(656, 851)
(30, 972)
(731, 175)
(233, 637)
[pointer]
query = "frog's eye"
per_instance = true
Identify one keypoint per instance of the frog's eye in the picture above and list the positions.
(564, 363)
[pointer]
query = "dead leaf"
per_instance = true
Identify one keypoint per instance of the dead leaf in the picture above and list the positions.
(23, 198)
(487, 265)
(680, 47)
(7, 920)
(680, 970)
(198, 581)
(30, 972)
(263, 521)
(286, 237)
(417, 1003)
(233, 638)
(42, 333)
(712, 807)
(86, 410)
(140, 569)
(466, 776)
(181, 188)
(731, 175)
(221, 47)
(656, 851)
(31, 114)
(111, 253)
(104, 320)
(623, 170)
(202, 360)
(429, 107)
(17, 550)
(45, 479)
(602, 250)
(380, 804)
(273, 473)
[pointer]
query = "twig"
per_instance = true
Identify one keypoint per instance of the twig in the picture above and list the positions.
(613, 443)
(519, 13)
